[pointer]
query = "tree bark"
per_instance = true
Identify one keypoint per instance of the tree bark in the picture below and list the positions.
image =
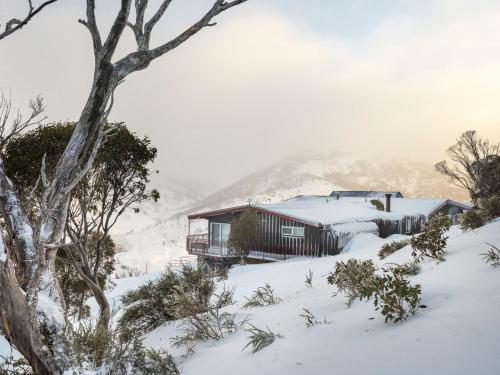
(15, 321)
(28, 308)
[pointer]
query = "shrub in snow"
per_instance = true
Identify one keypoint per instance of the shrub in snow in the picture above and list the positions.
(350, 277)
(378, 204)
(259, 338)
(406, 269)
(492, 256)
(490, 206)
(152, 304)
(113, 353)
(128, 271)
(311, 319)
(211, 324)
(432, 242)
(472, 219)
(393, 295)
(14, 366)
(262, 296)
(309, 279)
(222, 272)
(391, 247)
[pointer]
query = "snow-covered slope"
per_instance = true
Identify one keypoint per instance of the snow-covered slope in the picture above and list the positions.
(157, 235)
(458, 332)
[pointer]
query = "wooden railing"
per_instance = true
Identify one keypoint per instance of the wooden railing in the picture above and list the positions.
(197, 243)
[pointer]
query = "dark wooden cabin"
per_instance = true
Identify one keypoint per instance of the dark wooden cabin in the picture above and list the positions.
(286, 235)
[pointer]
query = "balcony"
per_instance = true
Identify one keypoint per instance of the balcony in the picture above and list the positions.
(199, 244)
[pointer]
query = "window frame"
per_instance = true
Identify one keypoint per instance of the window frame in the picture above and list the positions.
(220, 231)
(293, 233)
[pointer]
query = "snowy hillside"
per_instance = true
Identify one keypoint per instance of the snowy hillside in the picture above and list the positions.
(154, 235)
(322, 172)
(458, 332)
(157, 234)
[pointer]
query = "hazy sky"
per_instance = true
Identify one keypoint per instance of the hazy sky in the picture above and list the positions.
(275, 77)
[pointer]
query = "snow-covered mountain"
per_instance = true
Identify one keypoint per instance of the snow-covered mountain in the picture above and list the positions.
(157, 234)
(322, 172)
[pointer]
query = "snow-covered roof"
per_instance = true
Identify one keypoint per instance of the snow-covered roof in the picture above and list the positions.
(364, 194)
(328, 211)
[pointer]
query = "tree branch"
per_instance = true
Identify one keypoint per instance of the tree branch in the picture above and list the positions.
(15, 24)
(141, 58)
(91, 25)
(116, 31)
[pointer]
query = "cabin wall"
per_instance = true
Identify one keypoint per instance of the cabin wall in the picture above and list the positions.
(316, 241)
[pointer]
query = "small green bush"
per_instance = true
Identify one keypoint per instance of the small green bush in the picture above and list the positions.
(152, 304)
(472, 219)
(393, 295)
(378, 204)
(432, 242)
(492, 256)
(391, 292)
(311, 319)
(210, 324)
(350, 277)
(490, 206)
(259, 338)
(411, 268)
(262, 296)
(100, 351)
(391, 247)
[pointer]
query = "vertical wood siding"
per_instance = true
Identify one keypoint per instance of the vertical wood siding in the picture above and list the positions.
(316, 242)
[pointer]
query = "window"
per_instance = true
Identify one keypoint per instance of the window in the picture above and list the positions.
(292, 231)
(219, 233)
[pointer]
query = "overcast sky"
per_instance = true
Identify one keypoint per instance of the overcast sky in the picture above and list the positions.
(276, 77)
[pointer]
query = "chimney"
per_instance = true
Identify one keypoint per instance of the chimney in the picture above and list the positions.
(388, 202)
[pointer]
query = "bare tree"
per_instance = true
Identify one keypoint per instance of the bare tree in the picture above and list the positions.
(469, 155)
(15, 24)
(32, 317)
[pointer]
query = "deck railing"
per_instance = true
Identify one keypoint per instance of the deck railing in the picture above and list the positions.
(199, 244)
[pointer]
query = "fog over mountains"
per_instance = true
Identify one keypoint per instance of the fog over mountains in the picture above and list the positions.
(157, 233)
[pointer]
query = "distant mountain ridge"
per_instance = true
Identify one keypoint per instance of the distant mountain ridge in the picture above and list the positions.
(322, 172)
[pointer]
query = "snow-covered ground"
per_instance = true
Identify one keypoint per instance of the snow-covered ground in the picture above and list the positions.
(458, 332)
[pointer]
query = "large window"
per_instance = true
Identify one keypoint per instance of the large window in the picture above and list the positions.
(219, 233)
(292, 231)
